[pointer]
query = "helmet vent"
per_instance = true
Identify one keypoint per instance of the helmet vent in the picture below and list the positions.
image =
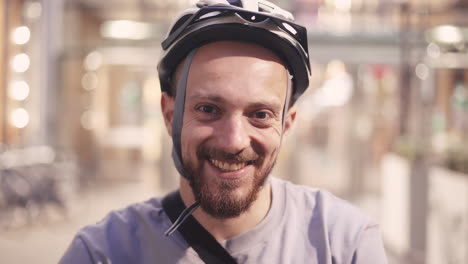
(212, 14)
(289, 28)
(235, 2)
(252, 18)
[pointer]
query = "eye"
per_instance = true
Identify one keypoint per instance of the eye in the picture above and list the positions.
(261, 115)
(264, 114)
(207, 112)
(209, 109)
(263, 118)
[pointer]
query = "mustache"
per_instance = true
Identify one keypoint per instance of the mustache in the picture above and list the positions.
(246, 155)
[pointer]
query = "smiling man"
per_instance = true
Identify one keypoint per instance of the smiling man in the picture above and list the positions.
(231, 73)
(232, 130)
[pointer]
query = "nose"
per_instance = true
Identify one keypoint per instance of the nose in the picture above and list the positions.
(232, 134)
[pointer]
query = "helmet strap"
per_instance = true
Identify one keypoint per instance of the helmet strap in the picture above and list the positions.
(177, 124)
(178, 117)
(286, 102)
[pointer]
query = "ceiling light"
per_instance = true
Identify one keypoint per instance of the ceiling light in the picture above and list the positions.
(126, 29)
(447, 34)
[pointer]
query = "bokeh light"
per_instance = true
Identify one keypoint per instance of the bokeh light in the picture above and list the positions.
(21, 35)
(447, 34)
(93, 61)
(126, 29)
(33, 10)
(19, 118)
(433, 50)
(87, 120)
(89, 81)
(21, 62)
(19, 90)
(422, 71)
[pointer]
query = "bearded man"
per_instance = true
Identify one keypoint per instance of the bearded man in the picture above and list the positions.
(231, 73)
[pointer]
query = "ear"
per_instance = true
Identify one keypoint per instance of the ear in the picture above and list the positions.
(167, 108)
(290, 118)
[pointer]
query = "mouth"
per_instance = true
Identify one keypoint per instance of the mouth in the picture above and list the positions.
(229, 166)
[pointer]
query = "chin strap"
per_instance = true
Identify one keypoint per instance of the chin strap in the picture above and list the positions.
(181, 218)
(177, 123)
(207, 247)
(178, 118)
(286, 102)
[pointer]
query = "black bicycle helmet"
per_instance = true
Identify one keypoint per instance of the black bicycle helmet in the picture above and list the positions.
(254, 21)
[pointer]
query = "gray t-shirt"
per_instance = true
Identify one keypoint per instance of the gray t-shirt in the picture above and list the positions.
(303, 225)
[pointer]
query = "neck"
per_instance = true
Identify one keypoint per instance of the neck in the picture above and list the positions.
(223, 229)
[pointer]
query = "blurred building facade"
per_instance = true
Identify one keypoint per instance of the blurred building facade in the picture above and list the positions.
(386, 114)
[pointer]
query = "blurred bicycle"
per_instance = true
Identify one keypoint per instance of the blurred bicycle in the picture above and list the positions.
(31, 180)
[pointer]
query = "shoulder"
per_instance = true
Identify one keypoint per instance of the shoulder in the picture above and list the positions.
(318, 203)
(122, 234)
(126, 220)
(332, 223)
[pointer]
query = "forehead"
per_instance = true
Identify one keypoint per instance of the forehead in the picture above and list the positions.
(227, 49)
(228, 68)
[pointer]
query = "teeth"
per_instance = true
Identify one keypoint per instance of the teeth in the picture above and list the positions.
(228, 166)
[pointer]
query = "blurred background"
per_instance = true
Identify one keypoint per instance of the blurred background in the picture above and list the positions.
(384, 123)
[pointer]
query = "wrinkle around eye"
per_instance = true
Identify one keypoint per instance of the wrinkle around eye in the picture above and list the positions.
(269, 120)
(189, 121)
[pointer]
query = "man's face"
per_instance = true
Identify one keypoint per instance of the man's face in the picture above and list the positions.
(232, 124)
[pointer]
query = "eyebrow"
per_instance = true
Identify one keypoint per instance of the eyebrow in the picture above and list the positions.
(258, 104)
(273, 106)
(213, 98)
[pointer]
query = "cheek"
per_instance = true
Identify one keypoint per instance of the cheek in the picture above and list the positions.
(193, 135)
(268, 141)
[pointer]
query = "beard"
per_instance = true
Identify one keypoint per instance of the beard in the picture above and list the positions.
(217, 197)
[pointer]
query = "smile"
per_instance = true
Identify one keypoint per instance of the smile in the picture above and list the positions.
(225, 166)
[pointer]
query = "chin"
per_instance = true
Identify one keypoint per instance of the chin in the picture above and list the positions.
(226, 194)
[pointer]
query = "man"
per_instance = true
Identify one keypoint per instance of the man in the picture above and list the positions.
(230, 75)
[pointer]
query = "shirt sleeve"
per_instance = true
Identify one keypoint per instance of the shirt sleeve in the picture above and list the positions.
(77, 253)
(370, 249)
